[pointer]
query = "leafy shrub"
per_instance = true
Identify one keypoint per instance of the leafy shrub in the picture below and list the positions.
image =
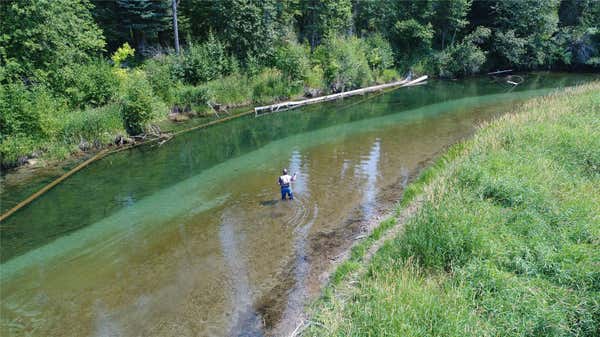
(124, 53)
(344, 62)
(207, 61)
(379, 53)
(162, 73)
(231, 90)
(193, 98)
(34, 120)
(423, 67)
(388, 75)
(29, 117)
(578, 46)
(137, 105)
(464, 58)
(271, 85)
(314, 77)
(253, 65)
(293, 61)
(28, 111)
(39, 38)
(411, 40)
(14, 147)
(15, 115)
(91, 84)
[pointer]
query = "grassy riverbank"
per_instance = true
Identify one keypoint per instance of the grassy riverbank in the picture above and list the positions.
(505, 239)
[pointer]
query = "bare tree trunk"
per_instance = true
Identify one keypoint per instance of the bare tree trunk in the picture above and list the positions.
(454, 36)
(443, 37)
(175, 30)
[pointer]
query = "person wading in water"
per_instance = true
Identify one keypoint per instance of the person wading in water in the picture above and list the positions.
(285, 181)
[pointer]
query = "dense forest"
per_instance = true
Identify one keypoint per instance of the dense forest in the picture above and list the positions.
(75, 73)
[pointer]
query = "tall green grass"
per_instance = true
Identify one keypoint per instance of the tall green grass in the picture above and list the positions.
(240, 89)
(506, 241)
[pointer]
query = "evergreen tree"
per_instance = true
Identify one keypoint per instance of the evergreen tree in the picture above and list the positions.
(146, 20)
(203, 17)
(107, 15)
(141, 23)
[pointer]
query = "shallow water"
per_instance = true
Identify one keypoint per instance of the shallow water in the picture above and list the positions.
(190, 239)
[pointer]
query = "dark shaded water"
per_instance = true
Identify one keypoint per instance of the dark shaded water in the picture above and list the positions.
(189, 239)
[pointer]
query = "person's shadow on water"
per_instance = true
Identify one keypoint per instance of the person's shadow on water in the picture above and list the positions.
(268, 202)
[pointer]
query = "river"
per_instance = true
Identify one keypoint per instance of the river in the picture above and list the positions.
(190, 239)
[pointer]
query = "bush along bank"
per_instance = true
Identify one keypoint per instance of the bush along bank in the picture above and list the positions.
(89, 106)
(505, 240)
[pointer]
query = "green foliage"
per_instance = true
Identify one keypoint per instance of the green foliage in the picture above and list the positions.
(40, 37)
(412, 40)
(247, 26)
(370, 16)
(252, 65)
(232, 90)
(89, 84)
(13, 148)
(137, 104)
(122, 54)
(379, 53)
(579, 35)
(15, 116)
(388, 75)
(49, 50)
(464, 58)
(293, 61)
(206, 61)
(94, 124)
(270, 85)
(524, 31)
(164, 75)
(449, 18)
(34, 121)
(143, 19)
(322, 18)
(240, 89)
(144, 24)
(314, 77)
(406, 24)
(344, 62)
(28, 111)
(193, 98)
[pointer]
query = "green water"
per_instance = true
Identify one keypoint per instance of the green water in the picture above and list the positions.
(188, 238)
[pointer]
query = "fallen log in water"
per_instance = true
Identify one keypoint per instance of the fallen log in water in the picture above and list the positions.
(294, 104)
(500, 72)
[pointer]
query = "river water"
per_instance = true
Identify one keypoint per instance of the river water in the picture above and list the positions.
(190, 239)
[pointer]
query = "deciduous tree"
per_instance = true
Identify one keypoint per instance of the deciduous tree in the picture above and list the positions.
(38, 37)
